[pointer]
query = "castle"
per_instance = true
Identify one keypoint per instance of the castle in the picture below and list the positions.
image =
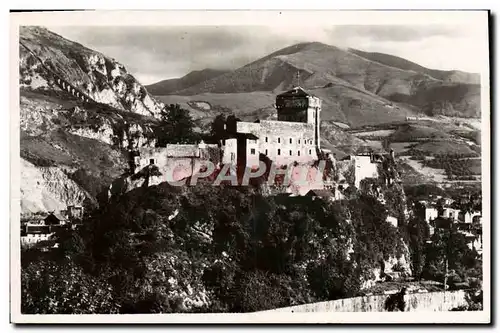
(294, 138)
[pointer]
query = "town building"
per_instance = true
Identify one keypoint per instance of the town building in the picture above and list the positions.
(468, 217)
(55, 218)
(430, 213)
(450, 213)
(35, 233)
(75, 212)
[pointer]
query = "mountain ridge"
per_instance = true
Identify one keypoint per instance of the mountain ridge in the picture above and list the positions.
(175, 84)
(416, 89)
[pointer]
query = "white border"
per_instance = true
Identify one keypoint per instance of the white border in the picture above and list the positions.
(283, 18)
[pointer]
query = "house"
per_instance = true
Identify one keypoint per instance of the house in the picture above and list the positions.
(75, 212)
(35, 233)
(392, 220)
(450, 213)
(468, 217)
(55, 219)
(431, 213)
(474, 242)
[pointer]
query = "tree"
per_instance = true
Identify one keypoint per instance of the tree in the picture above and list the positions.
(218, 127)
(50, 287)
(418, 234)
(176, 126)
(448, 251)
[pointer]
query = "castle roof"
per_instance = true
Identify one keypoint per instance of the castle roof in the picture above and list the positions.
(295, 92)
(320, 193)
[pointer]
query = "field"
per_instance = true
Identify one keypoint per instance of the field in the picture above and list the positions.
(438, 150)
(378, 133)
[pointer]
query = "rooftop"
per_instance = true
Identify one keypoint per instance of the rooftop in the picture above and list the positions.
(295, 92)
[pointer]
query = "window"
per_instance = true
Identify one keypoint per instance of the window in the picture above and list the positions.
(279, 151)
(310, 153)
(299, 141)
(290, 140)
(298, 153)
(266, 138)
(266, 151)
(151, 161)
(252, 151)
(279, 140)
(290, 153)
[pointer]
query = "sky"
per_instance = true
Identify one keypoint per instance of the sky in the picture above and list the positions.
(157, 53)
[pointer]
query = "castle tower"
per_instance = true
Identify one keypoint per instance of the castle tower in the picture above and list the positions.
(297, 105)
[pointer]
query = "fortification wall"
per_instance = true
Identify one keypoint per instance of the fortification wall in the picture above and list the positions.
(176, 162)
(246, 127)
(177, 150)
(435, 301)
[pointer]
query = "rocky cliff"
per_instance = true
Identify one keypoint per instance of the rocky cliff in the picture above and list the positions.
(79, 113)
(47, 60)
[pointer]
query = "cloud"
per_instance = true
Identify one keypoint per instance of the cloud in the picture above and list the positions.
(396, 33)
(160, 52)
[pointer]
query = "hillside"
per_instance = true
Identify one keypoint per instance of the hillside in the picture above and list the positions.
(166, 87)
(397, 62)
(364, 79)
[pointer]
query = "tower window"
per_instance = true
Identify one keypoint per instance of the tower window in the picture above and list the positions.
(299, 141)
(310, 152)
(151, 161)
(266, 151)
(290, 140)
(279, 140)
(290, 153)
(252, 151)
(298, 153)
(266, 138)
(279, 151)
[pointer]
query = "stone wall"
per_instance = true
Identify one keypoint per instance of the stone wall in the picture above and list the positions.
(435, 301)
(177, 150)
(176, 162)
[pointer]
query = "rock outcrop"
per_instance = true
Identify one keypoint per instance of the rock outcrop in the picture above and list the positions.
(48, 189)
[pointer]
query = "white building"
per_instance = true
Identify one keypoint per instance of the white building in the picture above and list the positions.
(468, 217)
(431, 213)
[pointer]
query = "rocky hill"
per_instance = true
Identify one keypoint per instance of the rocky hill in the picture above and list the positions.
(79, 111)
(382, 86)
(46, 57)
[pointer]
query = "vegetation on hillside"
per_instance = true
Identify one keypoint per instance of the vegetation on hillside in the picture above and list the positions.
(206, 248)
(455, 167)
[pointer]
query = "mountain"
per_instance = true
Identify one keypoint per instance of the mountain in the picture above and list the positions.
(79, 111)
(397, 62)
(166, 87)
(365, 79)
